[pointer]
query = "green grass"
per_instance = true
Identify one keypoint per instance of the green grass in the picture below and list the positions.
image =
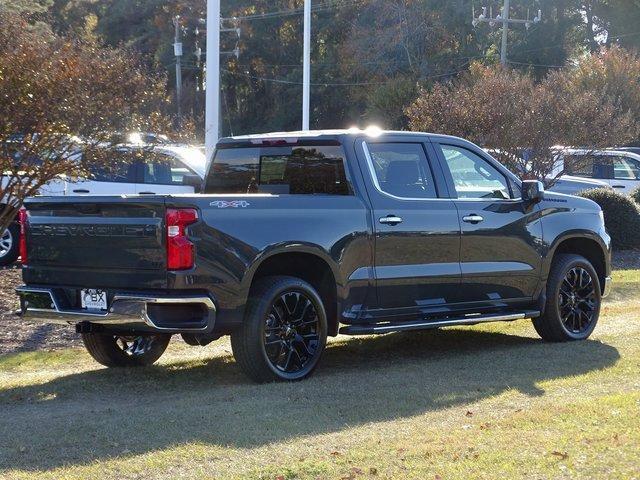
(483, 402)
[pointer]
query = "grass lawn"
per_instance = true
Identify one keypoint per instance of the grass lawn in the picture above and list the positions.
(491, 401)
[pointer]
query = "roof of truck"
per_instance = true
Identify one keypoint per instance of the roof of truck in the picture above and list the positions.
(316, 134)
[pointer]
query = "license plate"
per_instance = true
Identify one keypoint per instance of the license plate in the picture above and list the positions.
(93, 299)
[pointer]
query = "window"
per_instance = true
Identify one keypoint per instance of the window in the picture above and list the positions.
(164, 170)
(318, 170)
(582, 166)
(473, 176)
(113, 166)
(626, 168)
(603, 167)
(401, 170)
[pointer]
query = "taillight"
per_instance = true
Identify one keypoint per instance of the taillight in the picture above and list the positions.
(180, 252)
(22, 219)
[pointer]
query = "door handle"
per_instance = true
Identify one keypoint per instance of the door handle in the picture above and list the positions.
(390, 220)
(147, 193)
(617, 186)
(473, 218)
(81, 190)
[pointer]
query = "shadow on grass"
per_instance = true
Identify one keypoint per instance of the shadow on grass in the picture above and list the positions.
(99, 414)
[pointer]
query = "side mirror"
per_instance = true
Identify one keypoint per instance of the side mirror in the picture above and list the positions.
(193, 181)
(532, 191)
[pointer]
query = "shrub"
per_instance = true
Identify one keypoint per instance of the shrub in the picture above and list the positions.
(621, 216)
(636, 195)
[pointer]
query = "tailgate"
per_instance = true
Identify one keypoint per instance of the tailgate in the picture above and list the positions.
(96, 242)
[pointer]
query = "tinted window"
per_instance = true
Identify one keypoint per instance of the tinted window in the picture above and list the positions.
(280, 170)
(401, 169)
(473, 176)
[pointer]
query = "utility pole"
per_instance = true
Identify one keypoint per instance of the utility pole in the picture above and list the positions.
(504, 19)
(505, 32)
(306, 66)
(177, 50)
(212, 103)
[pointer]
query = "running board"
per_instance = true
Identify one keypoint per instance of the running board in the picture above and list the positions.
(373, 328)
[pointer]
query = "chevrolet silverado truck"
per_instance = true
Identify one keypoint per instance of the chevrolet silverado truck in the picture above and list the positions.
(300, 236)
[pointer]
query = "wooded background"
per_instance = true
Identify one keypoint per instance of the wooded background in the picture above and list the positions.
(369, 57)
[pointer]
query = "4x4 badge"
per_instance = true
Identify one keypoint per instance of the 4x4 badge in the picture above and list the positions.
(230, 204)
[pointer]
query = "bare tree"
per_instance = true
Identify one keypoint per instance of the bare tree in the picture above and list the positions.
(60, 97)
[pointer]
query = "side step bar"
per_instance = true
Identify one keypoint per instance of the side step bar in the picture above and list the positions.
(378, 328)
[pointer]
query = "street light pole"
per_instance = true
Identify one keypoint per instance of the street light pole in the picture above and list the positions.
(177, 50)
(306, 66)
(212, 103)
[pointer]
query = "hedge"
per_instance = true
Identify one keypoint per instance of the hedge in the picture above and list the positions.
(621, 216)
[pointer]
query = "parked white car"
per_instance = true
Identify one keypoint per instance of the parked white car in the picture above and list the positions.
(567, 184)
(620, 169)
(163, 169)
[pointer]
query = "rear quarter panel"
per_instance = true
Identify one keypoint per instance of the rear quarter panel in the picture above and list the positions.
(238, 232)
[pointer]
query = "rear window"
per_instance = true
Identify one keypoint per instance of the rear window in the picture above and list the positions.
(310, 170)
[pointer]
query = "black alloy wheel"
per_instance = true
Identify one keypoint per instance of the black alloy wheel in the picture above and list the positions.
(291, 335)
(577, 300)
(284, 331)
(135, 346)
(125, 350)
(572, 301)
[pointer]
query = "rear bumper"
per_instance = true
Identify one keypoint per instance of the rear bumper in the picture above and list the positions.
(127, 311)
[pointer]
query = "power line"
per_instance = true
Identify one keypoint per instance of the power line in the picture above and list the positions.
(323, 6)
(535, 64)
(333, 84)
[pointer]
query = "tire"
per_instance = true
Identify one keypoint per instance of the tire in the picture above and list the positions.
(571, 312)
(124, 351)
(284, 331)
(9, 245)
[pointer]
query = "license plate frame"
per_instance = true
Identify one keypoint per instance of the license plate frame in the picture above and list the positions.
(93, 299)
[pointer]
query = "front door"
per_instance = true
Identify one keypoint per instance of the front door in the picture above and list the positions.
(501, 241)
(417, 232)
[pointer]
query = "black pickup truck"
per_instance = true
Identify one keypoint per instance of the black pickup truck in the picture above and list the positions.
(298, 236)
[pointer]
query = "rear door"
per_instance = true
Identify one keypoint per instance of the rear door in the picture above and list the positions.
(501, 241)
(417, 232)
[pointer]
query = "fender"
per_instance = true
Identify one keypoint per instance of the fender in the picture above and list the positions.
(582, 234)
(288, 248)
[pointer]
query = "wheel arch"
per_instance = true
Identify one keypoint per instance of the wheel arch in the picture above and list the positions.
(307, 262)
(588, 246)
